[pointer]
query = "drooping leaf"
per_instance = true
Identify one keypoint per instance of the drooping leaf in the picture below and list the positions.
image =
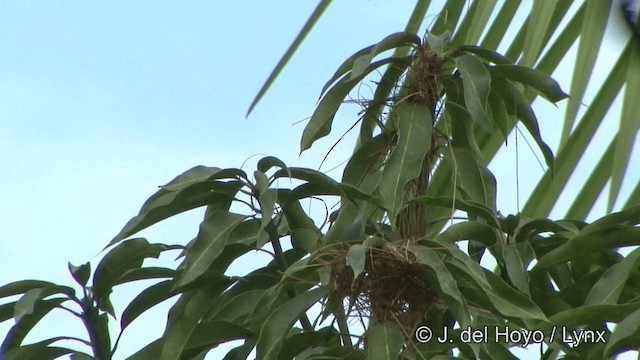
(518, 106)
(470, 206)
(384, 341)
(405, 161)
(517, 258)
(19, 331)
(359, 61)
(536, 79)
(26, 304)
(199, 174)
(277, 325)
(145, 300)
(609, 287)
(127, 256)
(184, 320)
(38, 351)
(549, 188)
(469, 230)
(392, 41)
(209, 334)
(320, 123)
(211, 240)
(21, 287)
(164, 204)
(581, 245)
(146, 273)
(477, 84)
(267, 162)
(484, 53)
(474, 177)
(499, 114)
(446, 282)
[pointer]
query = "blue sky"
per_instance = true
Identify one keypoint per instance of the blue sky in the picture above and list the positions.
(100, 104)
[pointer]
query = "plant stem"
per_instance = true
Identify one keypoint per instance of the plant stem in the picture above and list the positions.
(275, 242)
(91, 320)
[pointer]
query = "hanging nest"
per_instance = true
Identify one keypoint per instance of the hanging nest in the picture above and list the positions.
(390, 289)
(426, 67)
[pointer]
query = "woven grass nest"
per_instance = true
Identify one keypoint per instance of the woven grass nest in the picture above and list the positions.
(390, 289)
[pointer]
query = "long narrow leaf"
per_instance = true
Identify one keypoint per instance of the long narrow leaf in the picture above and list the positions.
(306, 29)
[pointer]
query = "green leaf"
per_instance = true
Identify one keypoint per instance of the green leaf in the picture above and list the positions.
(145, 300)
(127, 256)
(359, 61)
(277, 325)
(477, 84)
(609, 287)
(320, 123)
(384, 341)
(595, 21)
(405, 161)
(537, 79)
(185, 318)
(209, 334)
(471, 207)
(628, 128)
(484, 53)
(25, 305)
(19, 331)
(211, 240)
(80, 273)
(80, 356)
(355, 258)
(305, 345)
(362, 62)
(469, 230)
(446, 282)
(306, 29)
(510, 302)
(21, 287)
(625, 335)
(366, 160)
(151, 351)
(199, 174)
(587, 315)
(474, 177)
(238, 306)
(518, 106)
(164, 204)
(549, 188)
(267, 162)
(539, 19)
(517, 258)
(499, 114)
(267, 204)
(146, 273)
(593, 242)
(39, 351)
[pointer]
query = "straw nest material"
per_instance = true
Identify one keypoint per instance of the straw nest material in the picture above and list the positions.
(390, 289)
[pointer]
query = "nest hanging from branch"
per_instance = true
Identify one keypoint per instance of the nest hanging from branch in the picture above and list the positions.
(391, 288)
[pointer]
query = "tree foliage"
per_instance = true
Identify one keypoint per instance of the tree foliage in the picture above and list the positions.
(391, 261)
